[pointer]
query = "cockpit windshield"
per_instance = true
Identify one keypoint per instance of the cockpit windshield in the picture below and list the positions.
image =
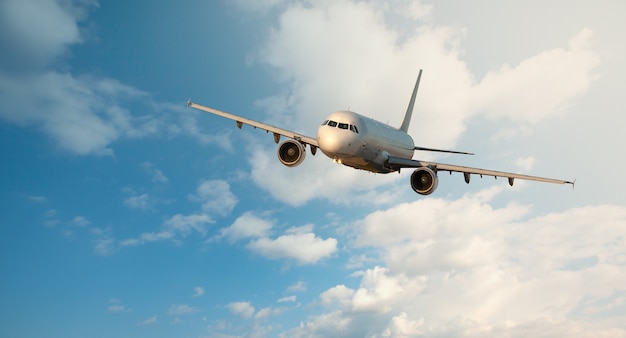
(345, 126)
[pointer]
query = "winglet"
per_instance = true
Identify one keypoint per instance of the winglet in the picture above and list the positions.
(409, 109)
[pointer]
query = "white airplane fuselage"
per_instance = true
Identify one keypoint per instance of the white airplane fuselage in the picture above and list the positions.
(361, 142)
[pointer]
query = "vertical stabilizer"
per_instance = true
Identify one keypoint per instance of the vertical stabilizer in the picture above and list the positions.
(409, 110)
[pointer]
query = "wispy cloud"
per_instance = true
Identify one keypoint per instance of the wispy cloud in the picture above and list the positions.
(300, 286)
(116, 306)
(149, 321)
(198, 291)
(287, 299)
(38, 199)
(142, 202)
(157, 174)
(80, 221)
(178, 310)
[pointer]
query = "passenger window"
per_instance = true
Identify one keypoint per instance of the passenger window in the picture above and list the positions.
(343, 125)
(332, 123)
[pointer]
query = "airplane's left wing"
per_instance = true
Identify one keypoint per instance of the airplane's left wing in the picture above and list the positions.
(398, 162)
(269, 128)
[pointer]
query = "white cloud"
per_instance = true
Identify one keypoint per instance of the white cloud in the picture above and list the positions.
(50, 28)
(37, 199)
(103, 243)
(300, 286)
(287, 299)
(540, 86)
(157, 174)
(149, 321)
(372, 57)
(526, 163)
(173, 229)
(215, 196)
(243, 309)
(80, 221)
(247, 226)
(305, 247)
(179, 310)
(138, 202)
(461, 267)
(338, 295)
(115, 306)
(198, 291)
(259, 5)
(82, 114)
(299, 243)
(184, 225)
(265, 313)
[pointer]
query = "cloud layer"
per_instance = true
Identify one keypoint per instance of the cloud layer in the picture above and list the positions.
(464, 268)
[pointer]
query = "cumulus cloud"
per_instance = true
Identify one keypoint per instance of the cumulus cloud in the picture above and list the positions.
(299, 243)
(462, 267)
(335, 55)
(50, 28)
(83, 114)
(243, 309)
(305, 247)
(247, 226)
(215, 196)
(540, 86)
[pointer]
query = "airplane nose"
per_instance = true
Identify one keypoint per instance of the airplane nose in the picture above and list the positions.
(330, 140)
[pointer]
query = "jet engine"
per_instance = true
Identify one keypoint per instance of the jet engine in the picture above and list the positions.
(424, 180)
(291, 153)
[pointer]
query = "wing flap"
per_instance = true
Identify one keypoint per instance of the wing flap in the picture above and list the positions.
(397, 163)
(269, 128)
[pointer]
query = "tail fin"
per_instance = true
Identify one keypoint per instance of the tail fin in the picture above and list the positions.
(409, 110)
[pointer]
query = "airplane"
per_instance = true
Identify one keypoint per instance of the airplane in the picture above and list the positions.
(363, 143)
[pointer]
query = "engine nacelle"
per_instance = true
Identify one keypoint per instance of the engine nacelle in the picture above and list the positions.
(424, 181)
(291, 153)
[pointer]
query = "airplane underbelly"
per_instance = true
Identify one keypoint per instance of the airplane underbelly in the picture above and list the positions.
(368, 159)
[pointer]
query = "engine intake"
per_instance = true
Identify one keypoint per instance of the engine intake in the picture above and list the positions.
(291, 153)
(424, 181)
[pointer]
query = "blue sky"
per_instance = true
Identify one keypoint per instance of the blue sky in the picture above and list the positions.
(126, 214)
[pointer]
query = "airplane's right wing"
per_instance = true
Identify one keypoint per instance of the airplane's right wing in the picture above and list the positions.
(269, 128)
(398, 162)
